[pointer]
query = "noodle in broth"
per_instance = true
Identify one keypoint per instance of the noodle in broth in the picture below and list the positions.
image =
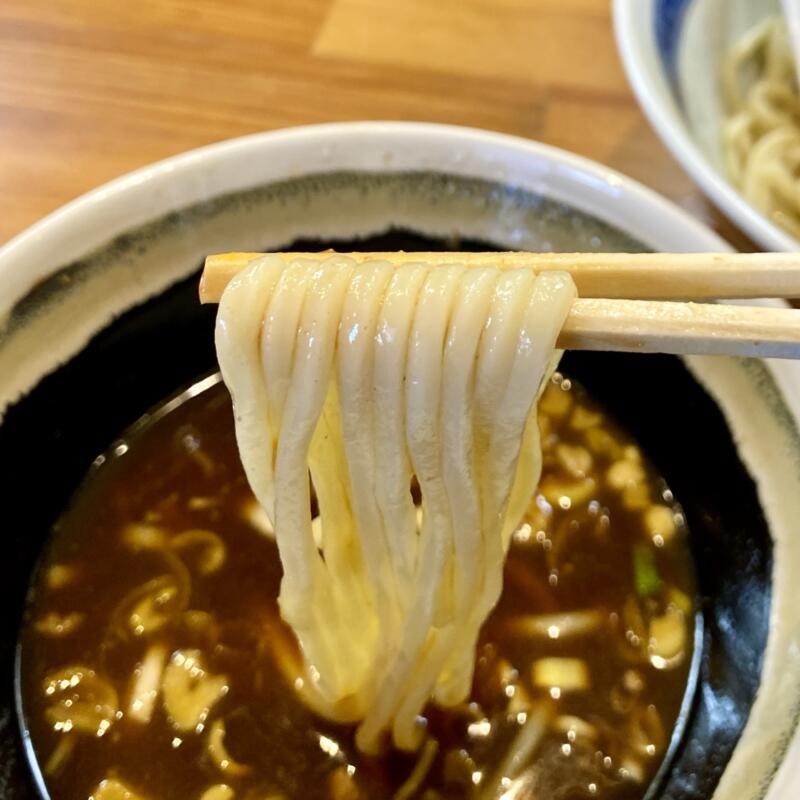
(387, 423)
(388, 610)
(154, 614)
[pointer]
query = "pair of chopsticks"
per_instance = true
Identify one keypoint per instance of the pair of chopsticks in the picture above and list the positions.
(622, 297)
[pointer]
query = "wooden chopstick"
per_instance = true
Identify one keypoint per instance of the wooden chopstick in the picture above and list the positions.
(644, 326)
(643, 276)
(651, 326)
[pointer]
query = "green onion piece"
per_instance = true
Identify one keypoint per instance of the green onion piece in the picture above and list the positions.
(645, 571)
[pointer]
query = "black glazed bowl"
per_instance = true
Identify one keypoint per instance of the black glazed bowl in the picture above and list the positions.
(721, 431)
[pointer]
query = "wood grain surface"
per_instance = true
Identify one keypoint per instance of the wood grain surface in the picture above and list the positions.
(90, 89)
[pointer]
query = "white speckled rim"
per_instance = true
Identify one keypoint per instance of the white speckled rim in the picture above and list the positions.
(762, 417)
(635, 32)
(146, 194)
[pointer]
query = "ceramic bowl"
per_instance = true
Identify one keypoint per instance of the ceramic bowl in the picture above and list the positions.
(100, 321)
(672, 51)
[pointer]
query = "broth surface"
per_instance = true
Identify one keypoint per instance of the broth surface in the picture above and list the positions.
(154, 661)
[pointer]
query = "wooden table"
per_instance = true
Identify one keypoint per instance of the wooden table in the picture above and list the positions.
(90, 89)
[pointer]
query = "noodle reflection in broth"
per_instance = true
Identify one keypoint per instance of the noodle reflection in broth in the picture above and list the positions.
(368, 377)
(761, 134)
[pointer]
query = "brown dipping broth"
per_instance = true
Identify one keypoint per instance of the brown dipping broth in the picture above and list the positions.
(163, 575)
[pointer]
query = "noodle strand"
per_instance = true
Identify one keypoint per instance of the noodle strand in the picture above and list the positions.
(354, 381)
(761, 134)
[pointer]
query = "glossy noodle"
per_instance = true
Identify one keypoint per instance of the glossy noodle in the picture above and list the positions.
(361, 381)
(761, 132)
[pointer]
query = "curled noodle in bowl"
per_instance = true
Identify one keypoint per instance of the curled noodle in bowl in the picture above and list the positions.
(761, 132)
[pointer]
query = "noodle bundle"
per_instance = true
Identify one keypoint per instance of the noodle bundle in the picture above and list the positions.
(359, 379)
(761, 134)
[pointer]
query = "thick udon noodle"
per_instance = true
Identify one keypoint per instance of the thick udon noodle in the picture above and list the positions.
(761, 133)
(368, 377)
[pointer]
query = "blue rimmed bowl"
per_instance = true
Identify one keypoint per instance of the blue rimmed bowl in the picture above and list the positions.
(672, 51)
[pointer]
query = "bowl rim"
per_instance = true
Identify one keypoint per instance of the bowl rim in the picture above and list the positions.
(634, 29)
(231, 165)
